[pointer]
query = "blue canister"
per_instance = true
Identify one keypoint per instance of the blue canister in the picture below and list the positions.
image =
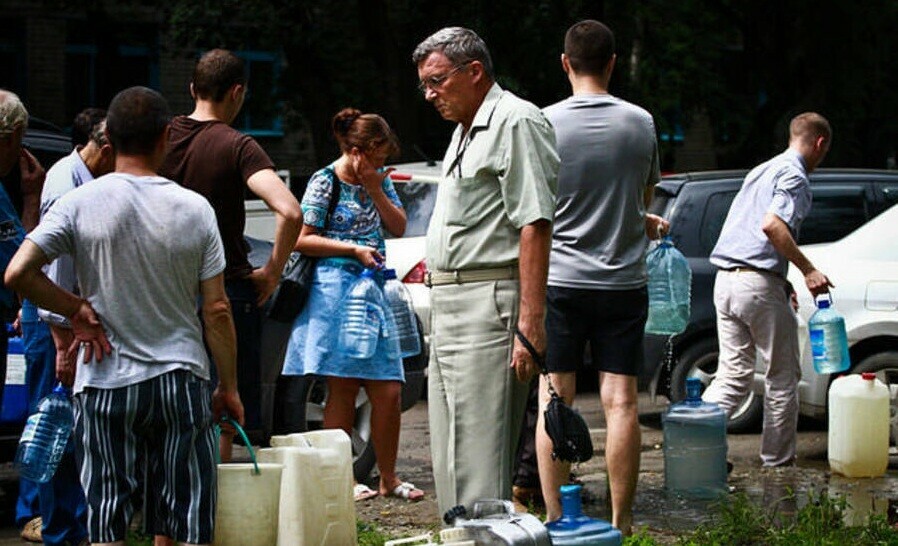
(15, 390)
(576, 529)
(695, 446)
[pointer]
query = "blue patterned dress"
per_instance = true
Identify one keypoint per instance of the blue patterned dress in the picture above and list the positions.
(313, 341)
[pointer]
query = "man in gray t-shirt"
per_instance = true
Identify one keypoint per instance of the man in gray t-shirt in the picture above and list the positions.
(597, 278)
(144, 249)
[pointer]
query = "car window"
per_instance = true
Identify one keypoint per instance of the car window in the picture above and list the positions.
(716, 209)
(418, 199)
(836, 212)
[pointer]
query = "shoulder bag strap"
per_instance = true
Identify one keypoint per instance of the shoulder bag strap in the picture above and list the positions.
(335, 194)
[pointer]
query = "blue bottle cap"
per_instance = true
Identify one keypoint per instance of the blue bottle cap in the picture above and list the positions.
(823, 304)
(693, 388)
(389, 274)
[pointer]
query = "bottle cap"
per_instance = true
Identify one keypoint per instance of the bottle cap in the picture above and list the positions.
(693, 388)
(823, 304)
(868, 376)
(389, 274)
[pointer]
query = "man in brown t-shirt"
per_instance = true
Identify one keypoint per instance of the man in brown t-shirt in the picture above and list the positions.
(217, 161)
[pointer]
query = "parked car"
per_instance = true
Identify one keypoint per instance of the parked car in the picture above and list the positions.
(696, 205)
(302, 401)
(863, 266)
(48, 144)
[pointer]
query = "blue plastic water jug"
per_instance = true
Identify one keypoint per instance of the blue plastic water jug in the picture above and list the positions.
(829, 340)
(695, 446)
(576, 529)
(670, 283)
(15, 390)
(363, 318)
(403, 314)
(45, 436)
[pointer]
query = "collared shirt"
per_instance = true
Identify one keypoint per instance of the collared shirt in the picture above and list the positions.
(499, 177)
(781, 187)
(64, 176)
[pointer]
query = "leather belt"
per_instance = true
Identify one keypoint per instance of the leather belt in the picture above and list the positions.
(746, 269)
(462, 276)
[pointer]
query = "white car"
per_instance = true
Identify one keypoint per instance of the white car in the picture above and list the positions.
(863, 266)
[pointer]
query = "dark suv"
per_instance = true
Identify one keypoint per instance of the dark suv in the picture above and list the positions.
(696, 205)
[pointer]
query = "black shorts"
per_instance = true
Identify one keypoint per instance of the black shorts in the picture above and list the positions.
(612, 321)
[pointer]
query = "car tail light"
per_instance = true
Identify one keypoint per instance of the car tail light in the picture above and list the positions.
(416, 274)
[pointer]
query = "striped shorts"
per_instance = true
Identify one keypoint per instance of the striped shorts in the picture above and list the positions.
(156, 433)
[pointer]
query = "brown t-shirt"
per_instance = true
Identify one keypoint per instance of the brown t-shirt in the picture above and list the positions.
(215, 160)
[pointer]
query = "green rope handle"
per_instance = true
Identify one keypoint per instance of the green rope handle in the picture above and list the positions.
(249, 446)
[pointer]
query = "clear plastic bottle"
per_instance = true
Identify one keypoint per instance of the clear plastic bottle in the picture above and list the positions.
(576, 529)
(829, 340)
(403, 313)
(669, 287)
(695, 446)
(45, 436)
(363, 318)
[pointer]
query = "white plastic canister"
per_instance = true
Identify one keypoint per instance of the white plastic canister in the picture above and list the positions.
(859, 426)
(317, 506)
(247, 509)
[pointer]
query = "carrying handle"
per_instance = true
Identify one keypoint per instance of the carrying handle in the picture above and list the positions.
(252, 454)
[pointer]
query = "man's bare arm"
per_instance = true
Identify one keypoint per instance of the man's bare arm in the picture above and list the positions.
(780, 237)
(218, 327)
(533, 267)
(288, 219)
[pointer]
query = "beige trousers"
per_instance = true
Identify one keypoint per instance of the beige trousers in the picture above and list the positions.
(755, 320)
(475, 404)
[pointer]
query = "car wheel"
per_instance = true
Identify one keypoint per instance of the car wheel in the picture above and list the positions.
(700, 360)
(301, 400)
(885, 366)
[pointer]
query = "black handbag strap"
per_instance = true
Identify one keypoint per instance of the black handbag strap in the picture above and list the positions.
(538, 358)
(335, 194)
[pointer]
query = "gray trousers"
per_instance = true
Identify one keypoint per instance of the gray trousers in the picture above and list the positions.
(475, 403)
(755, 320)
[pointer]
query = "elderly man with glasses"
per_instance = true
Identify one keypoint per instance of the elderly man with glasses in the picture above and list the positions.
(487, 251)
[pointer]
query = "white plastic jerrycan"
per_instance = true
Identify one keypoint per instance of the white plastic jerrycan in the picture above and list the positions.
(247, 508)
(859, 426)
(317, 506)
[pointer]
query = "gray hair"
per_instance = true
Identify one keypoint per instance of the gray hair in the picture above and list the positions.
(459, 45)
(12, 113)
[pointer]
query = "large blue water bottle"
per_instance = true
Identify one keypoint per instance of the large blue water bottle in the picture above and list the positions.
(695, 446)
(45, 436)
(670, 283)
(576, 529)
(829, 340)
(363, 318)
(15, 390)
(403, 314)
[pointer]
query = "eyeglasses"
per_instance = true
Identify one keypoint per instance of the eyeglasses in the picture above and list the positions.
(434, 82)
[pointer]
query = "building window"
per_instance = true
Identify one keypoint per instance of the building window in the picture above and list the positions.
(261, 114)
(12, 56)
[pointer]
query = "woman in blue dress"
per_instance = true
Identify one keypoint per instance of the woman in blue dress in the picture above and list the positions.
(345, 242)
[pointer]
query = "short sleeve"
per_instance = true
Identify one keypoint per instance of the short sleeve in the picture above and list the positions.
(251, 157)
(390, 191)
(529, 178)
(654, 174)
(316, 199)
(213, 250)
(54, 234)
(788, 191)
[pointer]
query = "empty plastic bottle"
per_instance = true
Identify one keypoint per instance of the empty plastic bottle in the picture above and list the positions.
(695, 446)
(403, 314)
(829, 340)
(670, 283)
(364, 317)
(45, 436)
(576, 529)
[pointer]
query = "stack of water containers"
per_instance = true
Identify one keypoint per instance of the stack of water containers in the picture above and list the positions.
(669, 287)
(695, 447)
(45, 436)
(371, 313)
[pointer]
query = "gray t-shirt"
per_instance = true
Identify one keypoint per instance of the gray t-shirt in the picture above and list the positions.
(141, 246)
(609, 156)
(779, 186)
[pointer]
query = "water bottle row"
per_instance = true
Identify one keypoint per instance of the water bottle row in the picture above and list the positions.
(370, 313)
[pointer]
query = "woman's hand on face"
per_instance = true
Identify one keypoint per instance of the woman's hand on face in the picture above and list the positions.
(368, 176)
(368, 256)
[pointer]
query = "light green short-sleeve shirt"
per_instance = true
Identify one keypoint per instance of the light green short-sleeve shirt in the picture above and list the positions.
(499, 177)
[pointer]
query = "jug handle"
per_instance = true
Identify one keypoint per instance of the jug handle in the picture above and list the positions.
(242, 433)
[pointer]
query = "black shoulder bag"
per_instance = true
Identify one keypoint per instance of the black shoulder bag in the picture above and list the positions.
(292, 292)
(564, 425)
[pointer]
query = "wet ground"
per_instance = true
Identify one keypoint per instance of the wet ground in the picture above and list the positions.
(784, 490)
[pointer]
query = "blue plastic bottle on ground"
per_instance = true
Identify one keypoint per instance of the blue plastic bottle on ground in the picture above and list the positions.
(45, 436)
(829, 340)
(669, 287)
(363, 317)
(695, 446)
(576, 529)
(403, 313)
